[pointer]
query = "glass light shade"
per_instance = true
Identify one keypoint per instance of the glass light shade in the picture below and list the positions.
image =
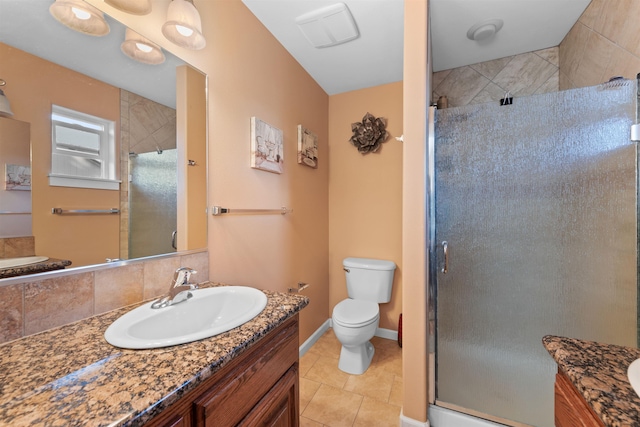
(134, 7)
(80, 16)
(5, 108)
(141, 49)
(183, 26)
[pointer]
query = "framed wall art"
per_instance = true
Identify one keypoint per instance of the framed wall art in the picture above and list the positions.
(267, 147)
(17, 177)
(307, 147)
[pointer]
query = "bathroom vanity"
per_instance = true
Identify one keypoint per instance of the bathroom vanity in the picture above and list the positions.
(72, 376)
(50, 264)
(591, 387)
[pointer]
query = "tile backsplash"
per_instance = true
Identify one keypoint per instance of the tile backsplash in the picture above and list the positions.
(46, 301)
(15, 247)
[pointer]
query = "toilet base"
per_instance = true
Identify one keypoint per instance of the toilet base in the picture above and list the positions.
(356, 359)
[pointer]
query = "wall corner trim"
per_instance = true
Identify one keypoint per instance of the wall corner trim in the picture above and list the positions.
(410, 422)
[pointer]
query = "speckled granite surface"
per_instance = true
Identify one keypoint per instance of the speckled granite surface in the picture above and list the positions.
(599, 372)
(38, 267)
(70, 376)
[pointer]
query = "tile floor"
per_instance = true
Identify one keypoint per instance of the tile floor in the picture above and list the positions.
(332, 398)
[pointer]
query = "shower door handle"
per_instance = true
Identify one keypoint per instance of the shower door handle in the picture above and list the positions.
(445, 251)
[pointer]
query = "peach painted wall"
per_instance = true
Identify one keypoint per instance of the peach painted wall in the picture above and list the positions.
(417, 86)
(192, 180)
(32, 93)
(365, 192)
(250, 74)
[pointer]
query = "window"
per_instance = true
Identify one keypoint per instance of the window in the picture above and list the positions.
(82, 150)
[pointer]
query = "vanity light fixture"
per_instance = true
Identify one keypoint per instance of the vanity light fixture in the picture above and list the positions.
(141, 49)
(134, 7)
(5, 108)
(183, 26)
(80, 16)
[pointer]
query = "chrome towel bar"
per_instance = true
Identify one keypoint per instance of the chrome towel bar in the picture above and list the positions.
(14, 213)
(217, 210)
(60, 211)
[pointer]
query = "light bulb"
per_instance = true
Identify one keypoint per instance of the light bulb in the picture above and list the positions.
(80, 13)
(144, 47)
(184, 30)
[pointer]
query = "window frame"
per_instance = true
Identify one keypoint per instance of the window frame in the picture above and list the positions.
(106, 155)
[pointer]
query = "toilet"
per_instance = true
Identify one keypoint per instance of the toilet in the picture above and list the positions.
(355, 319)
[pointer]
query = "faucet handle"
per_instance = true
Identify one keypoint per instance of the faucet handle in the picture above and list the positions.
(182, 276)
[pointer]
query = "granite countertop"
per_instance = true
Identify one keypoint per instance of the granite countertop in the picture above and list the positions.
(37, 267)
(70, 376)
(599, 373)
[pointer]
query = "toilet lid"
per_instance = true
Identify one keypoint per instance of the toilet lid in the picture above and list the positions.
(354, 313)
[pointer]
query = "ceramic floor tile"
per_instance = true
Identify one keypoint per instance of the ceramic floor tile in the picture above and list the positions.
(333, 407)
(307, 361)
(328, 345)
(395, 397)
(306, 422)
(332, 398)
(326, 371)
(374, 383)
(308, 389)
(375, 413)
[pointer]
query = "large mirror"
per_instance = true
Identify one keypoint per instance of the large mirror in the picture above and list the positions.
(159, 116)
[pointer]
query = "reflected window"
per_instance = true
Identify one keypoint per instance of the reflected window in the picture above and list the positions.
(82, 150)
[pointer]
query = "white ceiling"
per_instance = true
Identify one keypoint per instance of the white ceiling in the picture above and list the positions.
(376, 56)
(28, 26)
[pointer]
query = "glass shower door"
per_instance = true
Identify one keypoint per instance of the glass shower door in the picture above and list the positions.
(152, 203)
(536, 202)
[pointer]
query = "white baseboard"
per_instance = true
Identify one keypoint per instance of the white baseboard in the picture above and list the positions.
(410, 422)
(443, 417)
(389, 334)
(380, 332)
(314, 337)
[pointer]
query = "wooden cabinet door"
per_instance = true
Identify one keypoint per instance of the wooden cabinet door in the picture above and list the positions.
(570, 408)
(279, 407)
(236, 394)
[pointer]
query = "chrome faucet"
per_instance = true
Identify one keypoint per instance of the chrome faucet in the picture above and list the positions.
(179, 289)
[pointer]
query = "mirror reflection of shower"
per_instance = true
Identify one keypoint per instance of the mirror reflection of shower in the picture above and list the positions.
(152, 202)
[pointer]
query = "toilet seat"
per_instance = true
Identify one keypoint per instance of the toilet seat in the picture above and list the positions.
(352, 313)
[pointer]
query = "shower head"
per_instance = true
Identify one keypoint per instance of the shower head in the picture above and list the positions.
(614, 83)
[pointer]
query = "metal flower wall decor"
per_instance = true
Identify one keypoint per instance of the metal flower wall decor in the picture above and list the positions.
(369, 134)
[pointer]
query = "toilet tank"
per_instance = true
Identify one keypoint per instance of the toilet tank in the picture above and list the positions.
(369, 279)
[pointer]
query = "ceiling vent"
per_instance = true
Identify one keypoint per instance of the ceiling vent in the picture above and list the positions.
(328, 26)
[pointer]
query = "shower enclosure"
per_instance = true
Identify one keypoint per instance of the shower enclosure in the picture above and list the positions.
(152, 203)
(535, 213)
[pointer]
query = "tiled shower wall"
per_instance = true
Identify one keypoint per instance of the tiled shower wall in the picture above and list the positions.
(605, 42)
(145, 126)
(12, 247)
(525, 74)
(34, 305)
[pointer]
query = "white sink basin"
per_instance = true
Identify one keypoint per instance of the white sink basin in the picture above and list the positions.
(211, 311)
(633, 372)
(19, 262)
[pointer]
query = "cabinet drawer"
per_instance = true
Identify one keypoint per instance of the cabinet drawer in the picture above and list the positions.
(234, 396)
